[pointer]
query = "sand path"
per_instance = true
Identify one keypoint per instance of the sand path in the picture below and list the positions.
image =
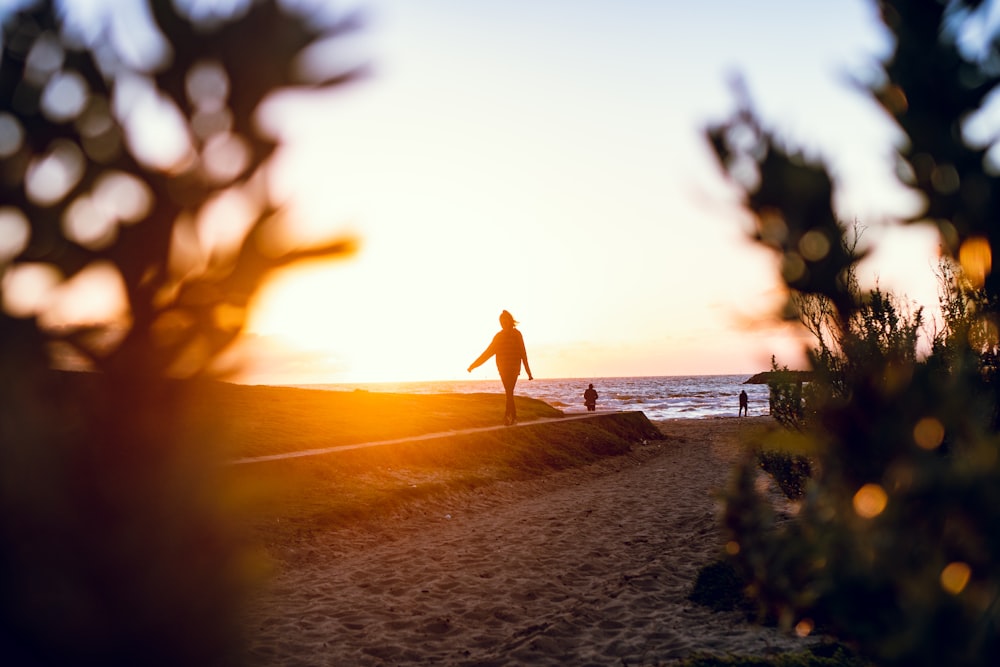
(589, 566)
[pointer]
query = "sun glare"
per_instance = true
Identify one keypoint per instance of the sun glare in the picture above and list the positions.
(356, 324)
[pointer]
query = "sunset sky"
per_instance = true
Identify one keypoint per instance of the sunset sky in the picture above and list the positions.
(548, 158)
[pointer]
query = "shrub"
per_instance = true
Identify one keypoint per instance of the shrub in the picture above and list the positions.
(894, 548)
(790, 471)
(720, 587)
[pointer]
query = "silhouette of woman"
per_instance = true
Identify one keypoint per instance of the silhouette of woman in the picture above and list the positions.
(508, 346)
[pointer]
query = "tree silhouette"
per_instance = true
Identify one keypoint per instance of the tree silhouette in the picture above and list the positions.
(110, 551)
(894, 547)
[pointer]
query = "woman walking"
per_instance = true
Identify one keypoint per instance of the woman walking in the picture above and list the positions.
(508, 346)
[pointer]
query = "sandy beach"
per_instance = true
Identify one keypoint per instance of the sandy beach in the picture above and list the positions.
(584, 566)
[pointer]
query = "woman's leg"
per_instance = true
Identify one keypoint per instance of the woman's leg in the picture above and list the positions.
(509, 380)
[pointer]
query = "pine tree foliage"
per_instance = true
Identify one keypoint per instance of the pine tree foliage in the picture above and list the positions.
(894, 548)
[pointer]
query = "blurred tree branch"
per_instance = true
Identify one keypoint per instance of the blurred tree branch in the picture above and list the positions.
(113, 549)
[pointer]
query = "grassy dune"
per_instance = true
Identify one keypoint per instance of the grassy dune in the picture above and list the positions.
(285, 498)
(260, 420)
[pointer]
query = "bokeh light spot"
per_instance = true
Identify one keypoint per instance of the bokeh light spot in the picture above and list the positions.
(14, 232)
(28, 288)
(923, 166)
(96, 294)
(207, 86)
(870, 501)
(732, 547)
(804, 627)
(772, 228)
(125, 196)
(814, 245)
(96, 118)
(11, 135)
(88, 224)
(99, 133)
(949, 234)
(976, 259)
(155, 129)
(224, 221)
(793, 267)
(928, 433)
(46, 56)
(225, 157)
(65, 97)
(205, 124)
(51, 177)
(945, 179)
(955, 577)
(186, 255)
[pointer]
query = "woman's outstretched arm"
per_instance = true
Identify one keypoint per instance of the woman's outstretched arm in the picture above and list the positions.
(487, 353)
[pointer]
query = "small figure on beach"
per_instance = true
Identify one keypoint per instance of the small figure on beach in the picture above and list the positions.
(590, 398)
(508, 346)
(744, 404)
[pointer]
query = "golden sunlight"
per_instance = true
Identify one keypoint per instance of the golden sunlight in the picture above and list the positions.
(346, 322)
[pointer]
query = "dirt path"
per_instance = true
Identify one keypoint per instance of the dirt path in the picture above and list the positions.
(588, 566)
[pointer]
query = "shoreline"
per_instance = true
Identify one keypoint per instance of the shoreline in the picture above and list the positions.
(660, 397)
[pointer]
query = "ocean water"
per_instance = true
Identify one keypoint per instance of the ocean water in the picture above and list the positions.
(667, 397)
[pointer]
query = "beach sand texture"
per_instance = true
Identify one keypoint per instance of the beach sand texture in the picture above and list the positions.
(584, 566)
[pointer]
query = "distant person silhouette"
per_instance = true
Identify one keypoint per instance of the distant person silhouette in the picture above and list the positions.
(590, 398)
(744, 403)
(508, 346)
